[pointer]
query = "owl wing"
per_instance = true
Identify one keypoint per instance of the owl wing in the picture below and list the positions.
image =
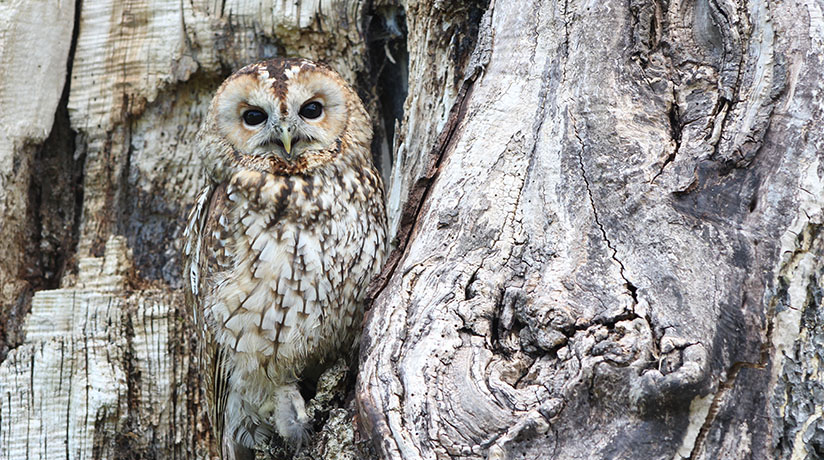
(204, 257)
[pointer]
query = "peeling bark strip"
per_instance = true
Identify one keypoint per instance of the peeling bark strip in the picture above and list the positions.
(416, 200)
(620, 249)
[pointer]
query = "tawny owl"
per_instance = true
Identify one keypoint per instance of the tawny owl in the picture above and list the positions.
(281, 243)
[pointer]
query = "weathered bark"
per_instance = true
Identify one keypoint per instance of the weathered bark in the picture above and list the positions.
(101, 368)
(607, 221)
(32, 233)
(620, 255)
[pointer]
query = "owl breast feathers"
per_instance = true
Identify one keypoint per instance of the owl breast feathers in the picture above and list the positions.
(281, 243)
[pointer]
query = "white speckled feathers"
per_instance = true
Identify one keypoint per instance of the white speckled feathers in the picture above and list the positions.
(280, 248)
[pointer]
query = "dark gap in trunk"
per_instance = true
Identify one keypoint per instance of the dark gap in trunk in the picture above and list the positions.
(52, 213)
(388, 74)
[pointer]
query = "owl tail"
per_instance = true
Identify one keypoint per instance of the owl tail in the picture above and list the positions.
(233, 450)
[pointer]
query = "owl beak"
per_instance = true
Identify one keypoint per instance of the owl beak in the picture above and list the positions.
(286, 138)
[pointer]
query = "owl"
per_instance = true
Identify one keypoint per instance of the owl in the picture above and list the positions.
(280, 244)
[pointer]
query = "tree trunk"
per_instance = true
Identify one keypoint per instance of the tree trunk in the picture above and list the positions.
(616, 249)
(607, 225)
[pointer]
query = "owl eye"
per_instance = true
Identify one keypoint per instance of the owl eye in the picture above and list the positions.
(254, 117)
(311, 110)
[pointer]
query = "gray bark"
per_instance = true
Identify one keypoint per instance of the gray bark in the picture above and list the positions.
(607, 222)
(619, 255)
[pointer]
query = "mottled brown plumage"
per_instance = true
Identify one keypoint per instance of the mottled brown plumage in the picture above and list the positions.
(281, 243)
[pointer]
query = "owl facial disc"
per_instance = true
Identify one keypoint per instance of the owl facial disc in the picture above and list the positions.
(289, 110)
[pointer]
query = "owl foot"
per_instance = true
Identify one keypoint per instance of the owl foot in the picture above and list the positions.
(289, 416)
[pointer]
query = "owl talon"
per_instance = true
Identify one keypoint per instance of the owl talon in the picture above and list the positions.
(289, 417)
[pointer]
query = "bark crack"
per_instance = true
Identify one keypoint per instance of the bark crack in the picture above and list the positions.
(723, 388)
(566, 38)
(676, 128)
(68, 395)
(87, 387)
(631, 289)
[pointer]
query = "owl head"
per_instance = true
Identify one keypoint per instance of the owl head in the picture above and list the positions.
(283, 115)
